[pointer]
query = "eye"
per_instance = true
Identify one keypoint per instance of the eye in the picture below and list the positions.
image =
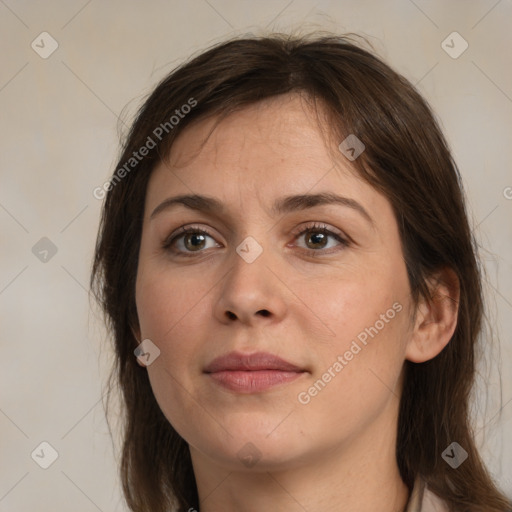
(189, 239)
(318, 237)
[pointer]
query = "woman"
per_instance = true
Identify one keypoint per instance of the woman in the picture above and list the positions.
(287, 268)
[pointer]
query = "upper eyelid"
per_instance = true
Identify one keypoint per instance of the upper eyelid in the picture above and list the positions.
(311, 225)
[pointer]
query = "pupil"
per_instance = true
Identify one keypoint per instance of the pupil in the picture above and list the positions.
(318, 238)
(191, 239)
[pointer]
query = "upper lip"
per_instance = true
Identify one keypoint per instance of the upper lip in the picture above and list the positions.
(250, 362)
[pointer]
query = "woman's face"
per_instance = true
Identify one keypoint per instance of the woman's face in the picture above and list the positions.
(332, 301)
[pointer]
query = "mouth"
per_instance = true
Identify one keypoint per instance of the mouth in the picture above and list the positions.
(252, 373)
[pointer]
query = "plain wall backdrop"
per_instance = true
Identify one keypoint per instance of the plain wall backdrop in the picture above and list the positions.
(69, 70)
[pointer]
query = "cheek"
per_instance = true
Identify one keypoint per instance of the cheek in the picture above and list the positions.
(344, 304)
(171, 313)
(358, 373)
(361, 356)
(165, 302)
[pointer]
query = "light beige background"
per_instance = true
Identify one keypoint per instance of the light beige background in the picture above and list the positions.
(58, 141)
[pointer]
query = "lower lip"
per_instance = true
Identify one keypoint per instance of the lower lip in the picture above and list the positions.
(253, 381)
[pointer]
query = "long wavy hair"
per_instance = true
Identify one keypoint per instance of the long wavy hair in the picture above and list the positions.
(406, 158)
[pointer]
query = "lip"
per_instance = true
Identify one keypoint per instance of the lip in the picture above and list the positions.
(250, 362)
(251, 373)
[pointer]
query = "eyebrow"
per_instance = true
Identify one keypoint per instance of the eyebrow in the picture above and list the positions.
(282, 205)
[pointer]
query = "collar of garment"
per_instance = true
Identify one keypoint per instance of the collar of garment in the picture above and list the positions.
(424, 500)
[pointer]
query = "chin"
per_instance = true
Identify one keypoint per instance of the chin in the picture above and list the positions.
(249, 447)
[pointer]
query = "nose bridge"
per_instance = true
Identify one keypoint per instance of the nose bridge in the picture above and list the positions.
(249, 286)
(249, 266)
(252, 248)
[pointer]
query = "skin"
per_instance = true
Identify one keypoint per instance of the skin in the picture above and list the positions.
(336, 452)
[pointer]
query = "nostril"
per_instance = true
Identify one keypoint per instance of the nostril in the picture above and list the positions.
(230, 315)
(264, 312)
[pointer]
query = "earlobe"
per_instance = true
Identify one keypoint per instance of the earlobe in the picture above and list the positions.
(436, 318)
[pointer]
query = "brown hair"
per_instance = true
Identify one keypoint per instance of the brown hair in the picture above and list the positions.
(406, 158)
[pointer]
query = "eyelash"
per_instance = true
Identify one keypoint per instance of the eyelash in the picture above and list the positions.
(313, 227)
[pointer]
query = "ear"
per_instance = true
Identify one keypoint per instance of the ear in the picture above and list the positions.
(436, 319)
(137, 335)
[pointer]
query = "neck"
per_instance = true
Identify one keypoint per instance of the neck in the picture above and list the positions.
(361, 475)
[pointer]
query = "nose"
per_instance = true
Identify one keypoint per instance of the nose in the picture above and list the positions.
(251, 292)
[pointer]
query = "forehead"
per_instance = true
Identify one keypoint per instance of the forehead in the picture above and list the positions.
(281, 125)
(264, 150)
